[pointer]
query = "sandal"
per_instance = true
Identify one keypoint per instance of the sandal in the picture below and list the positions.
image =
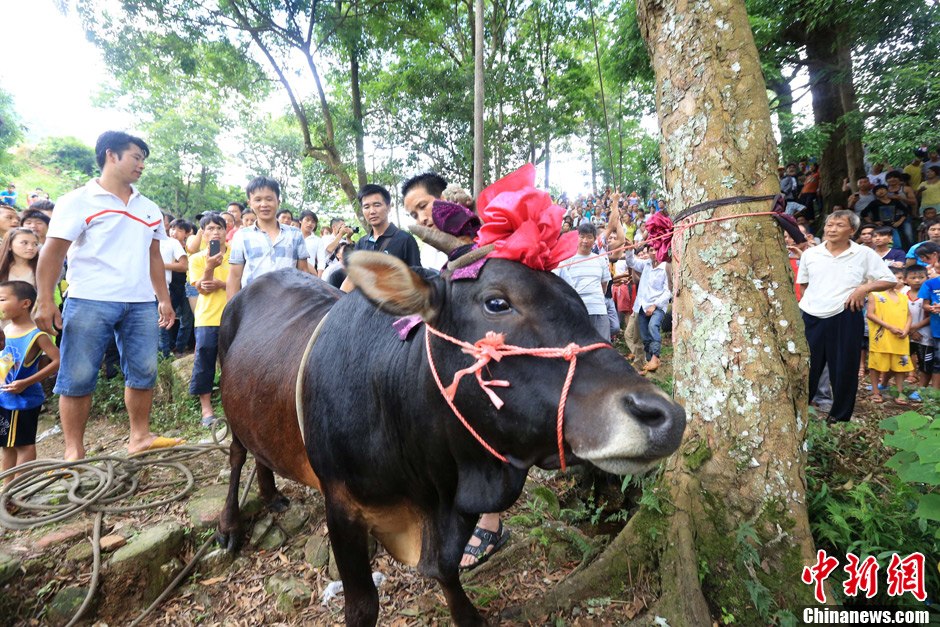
(483, 551)
(877, 398)
(902, 400)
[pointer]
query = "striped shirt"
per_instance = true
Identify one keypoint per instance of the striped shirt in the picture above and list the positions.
(252, 248)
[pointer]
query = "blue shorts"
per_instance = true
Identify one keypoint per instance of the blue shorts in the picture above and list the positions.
(87, 329)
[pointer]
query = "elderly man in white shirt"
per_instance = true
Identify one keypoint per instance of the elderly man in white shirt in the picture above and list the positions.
(837, 278)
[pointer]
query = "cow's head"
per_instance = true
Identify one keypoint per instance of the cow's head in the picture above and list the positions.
(614, 418)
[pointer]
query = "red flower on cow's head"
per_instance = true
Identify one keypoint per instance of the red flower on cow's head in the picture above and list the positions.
(523, 223)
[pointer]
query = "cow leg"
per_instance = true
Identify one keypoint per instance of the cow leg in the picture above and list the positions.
(452, 536)
(350, 542)
(462, 609)
(270, 495)
(229, 534)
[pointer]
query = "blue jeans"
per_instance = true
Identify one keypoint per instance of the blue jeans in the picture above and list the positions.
(650, 331)
(88, 327)
(177, 337)
(207, 350)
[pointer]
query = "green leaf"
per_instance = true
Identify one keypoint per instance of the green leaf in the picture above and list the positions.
(918, 473)
(901, 459)
(929, 451)
(904, 440)
(889, 424)
(911, 421)
(929, 507)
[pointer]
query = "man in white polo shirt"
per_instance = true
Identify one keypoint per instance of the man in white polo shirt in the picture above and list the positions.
(112, 236)
(837, 278)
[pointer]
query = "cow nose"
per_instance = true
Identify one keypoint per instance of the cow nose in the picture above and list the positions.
(664, 419)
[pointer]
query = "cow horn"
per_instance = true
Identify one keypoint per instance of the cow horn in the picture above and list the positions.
(470, 257)
(444, 242)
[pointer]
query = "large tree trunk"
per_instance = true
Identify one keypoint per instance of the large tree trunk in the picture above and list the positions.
(358, 126)
(826, 75)
(785, 117)
(478, 157)
(733, 523)
(854, 127)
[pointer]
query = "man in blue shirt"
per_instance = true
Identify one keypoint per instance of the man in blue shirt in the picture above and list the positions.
(8, 196)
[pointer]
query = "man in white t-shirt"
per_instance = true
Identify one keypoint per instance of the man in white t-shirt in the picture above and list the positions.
(836, 278)
(589, 276)
(308, 228)
(111, 234)
(174, 260)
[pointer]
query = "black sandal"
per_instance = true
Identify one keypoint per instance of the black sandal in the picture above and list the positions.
(495, 539)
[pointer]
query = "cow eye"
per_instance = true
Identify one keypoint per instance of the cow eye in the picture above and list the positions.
(497, 305)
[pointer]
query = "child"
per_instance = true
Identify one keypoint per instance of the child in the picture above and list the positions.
(930, 294)
(889, 323)
(208, 275)
(21, 395)
(921, 338)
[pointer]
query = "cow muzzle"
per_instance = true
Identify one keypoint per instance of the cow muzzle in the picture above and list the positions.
(628, 432)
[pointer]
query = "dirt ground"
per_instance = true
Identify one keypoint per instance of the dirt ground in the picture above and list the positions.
(549, 540)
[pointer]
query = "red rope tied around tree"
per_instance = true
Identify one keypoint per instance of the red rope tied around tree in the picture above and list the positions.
(493, 347)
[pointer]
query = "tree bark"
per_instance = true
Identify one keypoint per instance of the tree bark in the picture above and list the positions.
(478, 157)
(733, 521)
(825, 76)
(785, 118)
(854, 153)
(358, 127)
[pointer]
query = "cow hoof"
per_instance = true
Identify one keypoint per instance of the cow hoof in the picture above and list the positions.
(278, 504)
(230, 541)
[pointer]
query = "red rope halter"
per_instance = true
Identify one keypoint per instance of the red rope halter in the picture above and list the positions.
(493, 347)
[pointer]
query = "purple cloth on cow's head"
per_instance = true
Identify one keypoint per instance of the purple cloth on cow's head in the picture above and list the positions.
(405, 325)
(469, 272)
(454, 219)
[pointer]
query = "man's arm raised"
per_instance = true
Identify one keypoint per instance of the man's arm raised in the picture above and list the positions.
(46, 315)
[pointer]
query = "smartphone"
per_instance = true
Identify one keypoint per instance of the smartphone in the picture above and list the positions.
(215, 247)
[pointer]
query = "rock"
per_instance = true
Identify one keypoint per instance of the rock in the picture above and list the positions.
(289, 593)
(294, 519)
(112, 542)
(558, 554)
(80, 552)
(216, 560)
(206, 505)
(333, 570)
(183, 369)
(64, 604)
(155, 545)
(63, 534)
(273, 539)
(9, 566)
(317, 551)
(261, 528)
(252, 506)
(139, 571)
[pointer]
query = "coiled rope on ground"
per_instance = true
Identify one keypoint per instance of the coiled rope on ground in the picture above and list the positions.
(98, 485)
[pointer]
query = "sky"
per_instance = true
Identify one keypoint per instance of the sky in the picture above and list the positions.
(53, 73)
(54, 84)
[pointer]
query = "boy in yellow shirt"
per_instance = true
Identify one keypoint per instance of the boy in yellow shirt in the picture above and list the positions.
(889, 324)
(208, 273)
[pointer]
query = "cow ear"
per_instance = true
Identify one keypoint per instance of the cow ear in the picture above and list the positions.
(391, 285)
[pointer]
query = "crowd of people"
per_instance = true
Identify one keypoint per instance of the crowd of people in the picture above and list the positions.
(104, 276)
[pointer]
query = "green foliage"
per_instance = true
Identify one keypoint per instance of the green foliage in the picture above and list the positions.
(877, 515)
(69, 157)
(11, 131)
(917, 462)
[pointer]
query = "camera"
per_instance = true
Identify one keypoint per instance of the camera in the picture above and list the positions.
(355, 229)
